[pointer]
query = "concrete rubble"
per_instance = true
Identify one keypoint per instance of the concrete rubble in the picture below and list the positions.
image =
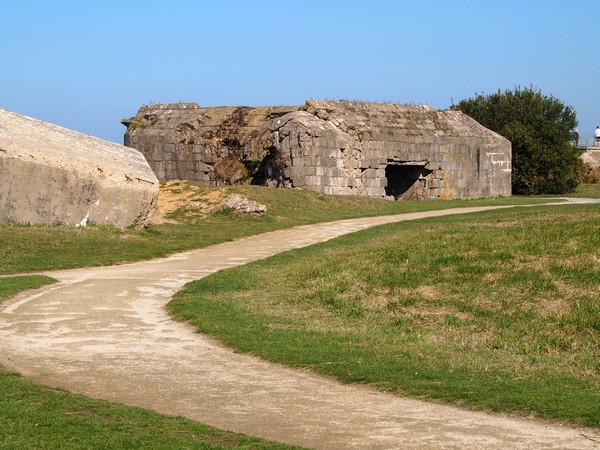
(241, 204)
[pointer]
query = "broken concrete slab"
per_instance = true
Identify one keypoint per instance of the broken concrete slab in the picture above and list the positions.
(52, 175)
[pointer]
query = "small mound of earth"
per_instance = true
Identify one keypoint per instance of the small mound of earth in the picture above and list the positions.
(199, 201)
(180, 195)
(592, 157)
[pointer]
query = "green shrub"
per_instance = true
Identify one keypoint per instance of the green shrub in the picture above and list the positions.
(540, 128)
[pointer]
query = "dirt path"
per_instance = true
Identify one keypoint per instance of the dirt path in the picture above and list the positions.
(103, 332)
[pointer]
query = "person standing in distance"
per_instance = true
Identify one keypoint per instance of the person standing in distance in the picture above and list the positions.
(597, 136)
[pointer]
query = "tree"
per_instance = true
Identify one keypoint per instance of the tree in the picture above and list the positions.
(540, 128)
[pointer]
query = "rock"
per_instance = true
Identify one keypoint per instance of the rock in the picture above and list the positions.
(241, 204)
(52, 175)
(336, 147)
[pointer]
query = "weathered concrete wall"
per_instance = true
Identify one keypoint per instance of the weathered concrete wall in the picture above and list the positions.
(183, 141)
(52, 175)
(335, 147)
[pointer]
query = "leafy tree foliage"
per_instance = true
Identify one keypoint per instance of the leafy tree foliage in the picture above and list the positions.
(540, 128)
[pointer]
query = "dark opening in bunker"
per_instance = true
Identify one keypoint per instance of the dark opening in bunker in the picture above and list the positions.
(401, 177)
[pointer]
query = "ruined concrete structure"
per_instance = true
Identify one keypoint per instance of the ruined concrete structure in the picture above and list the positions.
(52, 175)
(335, 147)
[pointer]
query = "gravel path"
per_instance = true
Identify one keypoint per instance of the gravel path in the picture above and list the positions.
(104, 332)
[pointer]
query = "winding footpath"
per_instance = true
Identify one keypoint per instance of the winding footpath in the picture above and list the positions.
(104, 332)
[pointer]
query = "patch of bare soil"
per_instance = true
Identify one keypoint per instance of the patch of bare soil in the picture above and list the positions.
(181, 195)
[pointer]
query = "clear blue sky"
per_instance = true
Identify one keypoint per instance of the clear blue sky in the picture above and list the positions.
(86, 65)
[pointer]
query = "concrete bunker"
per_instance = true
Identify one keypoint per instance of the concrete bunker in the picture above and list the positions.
(382, 150)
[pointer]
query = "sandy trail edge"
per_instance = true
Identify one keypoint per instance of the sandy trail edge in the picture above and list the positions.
(103, 332)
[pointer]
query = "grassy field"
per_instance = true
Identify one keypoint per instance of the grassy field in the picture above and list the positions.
(586, 190)
(36, 248)
(497, 311)
(33, 416)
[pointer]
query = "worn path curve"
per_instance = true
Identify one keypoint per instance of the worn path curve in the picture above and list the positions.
(104, 332)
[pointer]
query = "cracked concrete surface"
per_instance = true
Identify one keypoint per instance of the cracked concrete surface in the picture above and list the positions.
(104, 332)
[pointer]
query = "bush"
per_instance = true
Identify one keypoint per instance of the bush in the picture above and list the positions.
(540, 128)
(589, 175)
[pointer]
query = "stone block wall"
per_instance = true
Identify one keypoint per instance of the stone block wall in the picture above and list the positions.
(335, 147)
(396, 151)
(183, 141)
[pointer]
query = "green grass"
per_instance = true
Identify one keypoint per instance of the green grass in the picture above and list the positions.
(12, 285)
(498, 311)
(36, 248)
(33, 416)
(587, 190)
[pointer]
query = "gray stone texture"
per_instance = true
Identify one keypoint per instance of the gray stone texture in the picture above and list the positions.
(52, 175)
(335, 147)
(241, 204)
